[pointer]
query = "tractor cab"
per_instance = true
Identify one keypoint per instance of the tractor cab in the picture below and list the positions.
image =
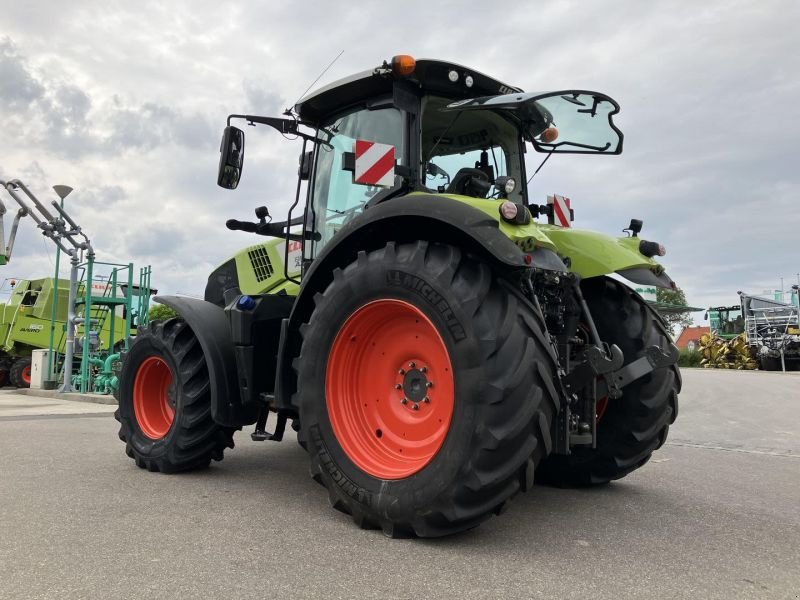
(726, 321)
(423, 126)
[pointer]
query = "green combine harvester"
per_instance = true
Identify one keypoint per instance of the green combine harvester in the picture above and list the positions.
(25, 325)
(435, 347)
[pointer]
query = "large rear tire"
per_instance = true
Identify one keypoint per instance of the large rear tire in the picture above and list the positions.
(630, 428)
(390, 323)
(771, 363)
(20, 373)
(165, 401)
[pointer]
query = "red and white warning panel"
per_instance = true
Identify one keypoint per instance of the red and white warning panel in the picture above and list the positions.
(374, 164)
(562, 213)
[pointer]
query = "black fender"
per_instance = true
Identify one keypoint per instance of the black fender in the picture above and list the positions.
(210, 325)
(399, 219)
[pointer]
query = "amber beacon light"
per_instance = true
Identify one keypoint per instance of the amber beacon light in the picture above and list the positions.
(403, 64)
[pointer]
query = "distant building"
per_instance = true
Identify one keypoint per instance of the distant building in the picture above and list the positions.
(689, 339)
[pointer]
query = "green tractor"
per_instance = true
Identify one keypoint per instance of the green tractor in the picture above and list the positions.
(436, 349)
(26, 321)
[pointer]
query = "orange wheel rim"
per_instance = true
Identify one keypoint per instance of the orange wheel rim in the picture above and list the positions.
(26, 374)
(152, 404)
(389, 389)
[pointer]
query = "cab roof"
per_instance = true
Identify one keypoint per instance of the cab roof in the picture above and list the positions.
(429, 77)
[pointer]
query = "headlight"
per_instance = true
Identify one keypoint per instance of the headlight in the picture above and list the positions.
(650, 249)
(505, 185)
(514, 213)
(509, 210)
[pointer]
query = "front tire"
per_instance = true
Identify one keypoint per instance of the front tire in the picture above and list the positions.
(20, 373)
(165, 401)
(630, 428)
(390, 323)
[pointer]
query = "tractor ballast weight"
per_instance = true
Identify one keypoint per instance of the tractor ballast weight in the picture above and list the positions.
(434, 346)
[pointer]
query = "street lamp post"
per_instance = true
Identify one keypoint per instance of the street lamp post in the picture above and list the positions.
(63, 191)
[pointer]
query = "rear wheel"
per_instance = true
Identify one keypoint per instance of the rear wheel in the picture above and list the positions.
(770, 363)
(165, 402)
(20, 374)
(630, 428)
(424, 390)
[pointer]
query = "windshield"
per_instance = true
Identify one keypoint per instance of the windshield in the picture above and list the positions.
(465, 153)
(573, 121)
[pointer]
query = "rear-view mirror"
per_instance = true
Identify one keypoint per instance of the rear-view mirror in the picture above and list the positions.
(231, 158)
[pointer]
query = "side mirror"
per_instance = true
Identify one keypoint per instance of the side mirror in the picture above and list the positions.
(231, 158)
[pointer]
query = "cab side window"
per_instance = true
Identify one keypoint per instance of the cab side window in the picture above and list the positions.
(335, 198)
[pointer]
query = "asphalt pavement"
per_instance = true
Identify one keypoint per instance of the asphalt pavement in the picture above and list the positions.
(715, 514)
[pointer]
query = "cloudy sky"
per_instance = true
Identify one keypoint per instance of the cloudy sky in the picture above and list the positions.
(125, 102)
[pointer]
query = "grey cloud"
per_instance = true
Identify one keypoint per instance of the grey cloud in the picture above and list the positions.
(18, 88)
(75, 124)
(260, 100)
(153, 124)
(99, 197)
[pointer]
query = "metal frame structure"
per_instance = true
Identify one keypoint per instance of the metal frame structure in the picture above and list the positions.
(772, 327)
(68, 237)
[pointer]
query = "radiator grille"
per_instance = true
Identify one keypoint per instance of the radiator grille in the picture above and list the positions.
(262, 267)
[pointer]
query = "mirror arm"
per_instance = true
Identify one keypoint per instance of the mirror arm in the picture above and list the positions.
(283, 126)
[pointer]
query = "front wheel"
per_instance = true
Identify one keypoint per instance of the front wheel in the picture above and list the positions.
(424, 390)
(165, 401)
(630, 428)
(20, 373)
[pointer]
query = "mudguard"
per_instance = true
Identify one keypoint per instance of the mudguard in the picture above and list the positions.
(210, 325)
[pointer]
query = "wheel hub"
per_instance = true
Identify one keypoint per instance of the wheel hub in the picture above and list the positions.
(415, 384)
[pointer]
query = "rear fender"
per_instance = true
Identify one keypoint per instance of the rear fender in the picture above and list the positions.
(210, 325)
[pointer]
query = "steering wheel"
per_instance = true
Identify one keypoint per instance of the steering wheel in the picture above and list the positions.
(470, 182)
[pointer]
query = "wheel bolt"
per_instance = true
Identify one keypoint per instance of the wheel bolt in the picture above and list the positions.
(402, 371)
(397, 386)
(426, 400)
(429, 384)
(415, 406)
(412, 364)
(424, 369)
(404, 401)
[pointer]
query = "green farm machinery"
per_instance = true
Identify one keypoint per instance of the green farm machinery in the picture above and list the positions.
(84, 322)
(436, 338)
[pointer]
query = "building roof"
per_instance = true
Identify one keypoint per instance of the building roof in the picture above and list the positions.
(689, 334)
